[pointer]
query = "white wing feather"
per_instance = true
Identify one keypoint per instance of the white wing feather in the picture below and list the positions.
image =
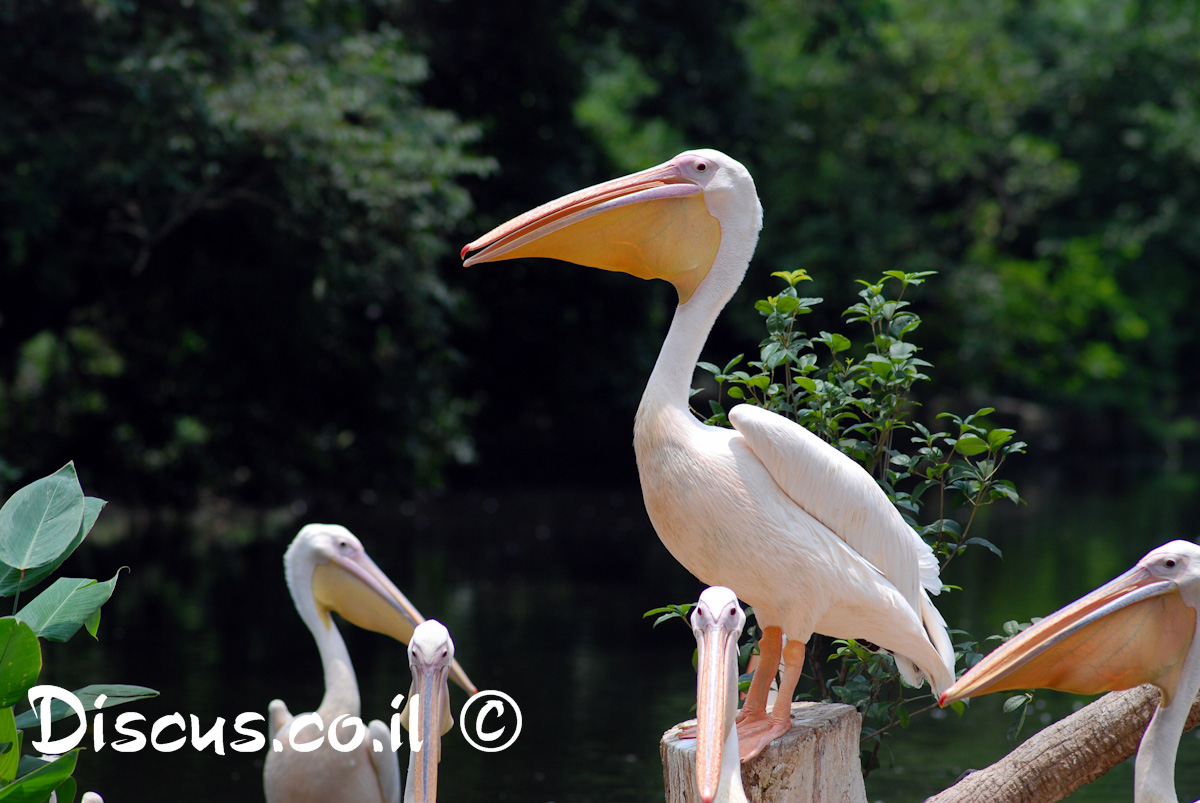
(387, 763)
(839, 493)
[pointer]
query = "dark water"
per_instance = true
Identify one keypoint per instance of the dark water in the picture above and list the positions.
(543, 593)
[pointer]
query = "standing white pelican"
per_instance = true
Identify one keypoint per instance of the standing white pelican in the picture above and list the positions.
(1138, 628)
(799, 530)
(431, 658)
(717, 622)
(327, 570)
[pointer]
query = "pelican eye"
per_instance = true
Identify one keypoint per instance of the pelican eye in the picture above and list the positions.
(1169, 563)
(701, 167)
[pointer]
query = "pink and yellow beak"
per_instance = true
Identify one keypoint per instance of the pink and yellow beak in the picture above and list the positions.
(653, 224)
(430, 656)
(717, 623)
(1135, 629)
(362, 594)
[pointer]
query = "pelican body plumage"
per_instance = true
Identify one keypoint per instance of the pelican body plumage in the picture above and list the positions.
(768, 509)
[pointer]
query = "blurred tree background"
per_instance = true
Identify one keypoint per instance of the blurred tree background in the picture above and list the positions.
(229, 231)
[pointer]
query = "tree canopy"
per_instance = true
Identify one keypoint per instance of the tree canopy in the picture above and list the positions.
(228, 232)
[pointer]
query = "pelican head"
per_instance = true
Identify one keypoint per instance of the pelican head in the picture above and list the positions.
(1135, 629)
(327, 570)
(717, 622)
(431, 658)
(1138, 628)
(666, 222)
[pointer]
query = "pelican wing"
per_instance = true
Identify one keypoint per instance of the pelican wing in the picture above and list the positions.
(839, 493)
(386, 763)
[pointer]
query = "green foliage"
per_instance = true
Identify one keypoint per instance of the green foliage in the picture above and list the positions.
(859, 395)
(1036, 155)
(219, 234)
(40, 525)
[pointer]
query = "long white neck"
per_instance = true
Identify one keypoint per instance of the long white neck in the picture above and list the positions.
(671, 380)
(1154, 768)
(341, 686)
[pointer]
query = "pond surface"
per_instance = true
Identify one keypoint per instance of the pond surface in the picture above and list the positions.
(543, 592)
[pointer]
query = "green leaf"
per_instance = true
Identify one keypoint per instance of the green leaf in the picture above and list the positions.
(806, 383)
(115, 694)
(999, 436)
(92, 625)
(969, 445)
(837, 343)
(1006, 490)
(8, 737)
(793, 277)
(10, 579)
(37, 784)
(65, 791)
(40, 521)
(786, 304)
(65, 606)
(1014, 702)
(983, 542)
(21, 659)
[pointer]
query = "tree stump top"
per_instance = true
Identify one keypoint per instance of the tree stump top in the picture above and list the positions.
(815, 762)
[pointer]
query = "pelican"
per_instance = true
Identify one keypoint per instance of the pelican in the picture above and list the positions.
(797, 529)
(717, 622)
(327, 569)
(1138, 628)
(431, 658)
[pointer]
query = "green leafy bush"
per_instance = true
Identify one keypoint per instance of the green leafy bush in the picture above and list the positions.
(859, 396)
(40, 526)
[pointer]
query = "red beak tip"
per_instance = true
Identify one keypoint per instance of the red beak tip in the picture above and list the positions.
(942, 700)
(463, 253)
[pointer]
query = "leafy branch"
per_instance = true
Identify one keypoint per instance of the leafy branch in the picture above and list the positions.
(40, 526)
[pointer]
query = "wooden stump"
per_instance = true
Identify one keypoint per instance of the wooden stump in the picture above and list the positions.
(815, 762)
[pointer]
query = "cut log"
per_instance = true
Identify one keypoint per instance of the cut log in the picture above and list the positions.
(815, 762)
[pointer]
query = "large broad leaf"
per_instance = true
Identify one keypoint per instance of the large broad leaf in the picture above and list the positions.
(10, 744)
(115, 694)
(11, 580)
(20, 660)
(61, 609)
(39, 521)
(35, 783)
(65, 791)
